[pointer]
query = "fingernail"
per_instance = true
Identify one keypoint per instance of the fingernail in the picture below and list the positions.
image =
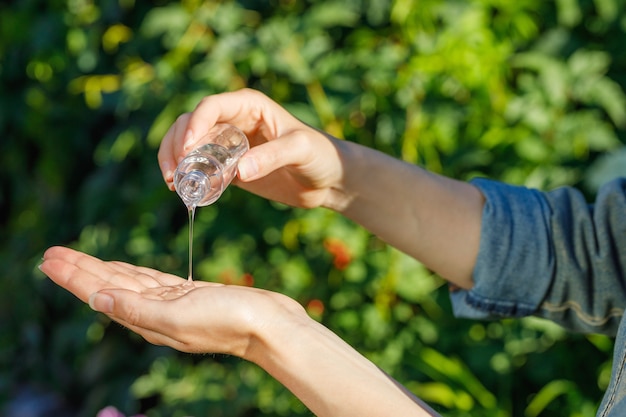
(101, 302)
(168, 173)
(248, 168)
(189, 140)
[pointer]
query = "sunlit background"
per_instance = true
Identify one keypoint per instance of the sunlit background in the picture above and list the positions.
(528, 91)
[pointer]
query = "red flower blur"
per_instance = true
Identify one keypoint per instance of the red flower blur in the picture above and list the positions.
(339, 251)
(315, 308)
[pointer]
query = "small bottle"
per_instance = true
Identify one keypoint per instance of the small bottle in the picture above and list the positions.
(201, 178)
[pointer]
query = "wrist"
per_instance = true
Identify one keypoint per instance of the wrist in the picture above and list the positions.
(342, 194)
(324, 372)
(271, 336)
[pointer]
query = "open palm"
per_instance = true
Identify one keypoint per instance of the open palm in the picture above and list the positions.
(165, 309)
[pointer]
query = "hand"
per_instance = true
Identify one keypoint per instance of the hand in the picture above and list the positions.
(267, 328)
(289, 161)
(434, 219)
(167, 310)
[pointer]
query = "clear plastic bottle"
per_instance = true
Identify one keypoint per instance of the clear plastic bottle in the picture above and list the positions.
(202, 176)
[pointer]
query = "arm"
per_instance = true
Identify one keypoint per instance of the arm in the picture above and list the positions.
(432, 218)
(435, 219)
(330, 377)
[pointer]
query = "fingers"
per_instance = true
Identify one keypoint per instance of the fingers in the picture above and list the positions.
(146, 317)
(130, 307)
(72, 270)
(169, 155)
(147, 276)
(260, 118)
(184, 134)
(298, 168)
(262, 160)
(63, 253)
(194, 322)
(162, 308)
(245, 108)
(70, 277)
(82, 274)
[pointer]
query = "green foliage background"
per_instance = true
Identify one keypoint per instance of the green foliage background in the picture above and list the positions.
(529, 91)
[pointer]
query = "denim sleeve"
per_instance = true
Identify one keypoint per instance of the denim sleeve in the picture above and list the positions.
(552, 255)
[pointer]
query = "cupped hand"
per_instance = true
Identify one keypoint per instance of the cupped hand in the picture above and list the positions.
(289, 161)
(168, 310)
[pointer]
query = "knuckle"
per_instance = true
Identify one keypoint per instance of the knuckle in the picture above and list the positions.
(133, 316)
(204, 101)
(182, 119)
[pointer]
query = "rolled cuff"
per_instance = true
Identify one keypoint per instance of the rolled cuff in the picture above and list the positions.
(515, 264)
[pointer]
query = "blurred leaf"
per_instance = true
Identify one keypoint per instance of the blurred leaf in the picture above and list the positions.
(547, 395)
(529, 92)
(170, 20)
(606, 168)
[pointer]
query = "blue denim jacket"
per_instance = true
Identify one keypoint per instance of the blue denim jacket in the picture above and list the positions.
(555, 256)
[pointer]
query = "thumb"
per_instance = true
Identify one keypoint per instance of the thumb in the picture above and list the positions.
(102, 302)
(126, 306)
(261, 160)
(137, 313)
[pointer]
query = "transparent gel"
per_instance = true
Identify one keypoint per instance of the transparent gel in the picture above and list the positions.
(203, 175)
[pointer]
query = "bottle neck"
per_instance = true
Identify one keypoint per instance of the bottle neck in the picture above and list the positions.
(194, 187)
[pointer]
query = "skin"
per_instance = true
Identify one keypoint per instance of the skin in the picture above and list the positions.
(432, 218)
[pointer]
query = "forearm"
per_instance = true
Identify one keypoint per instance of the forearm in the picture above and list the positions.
(432, 218)
(330, 377)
